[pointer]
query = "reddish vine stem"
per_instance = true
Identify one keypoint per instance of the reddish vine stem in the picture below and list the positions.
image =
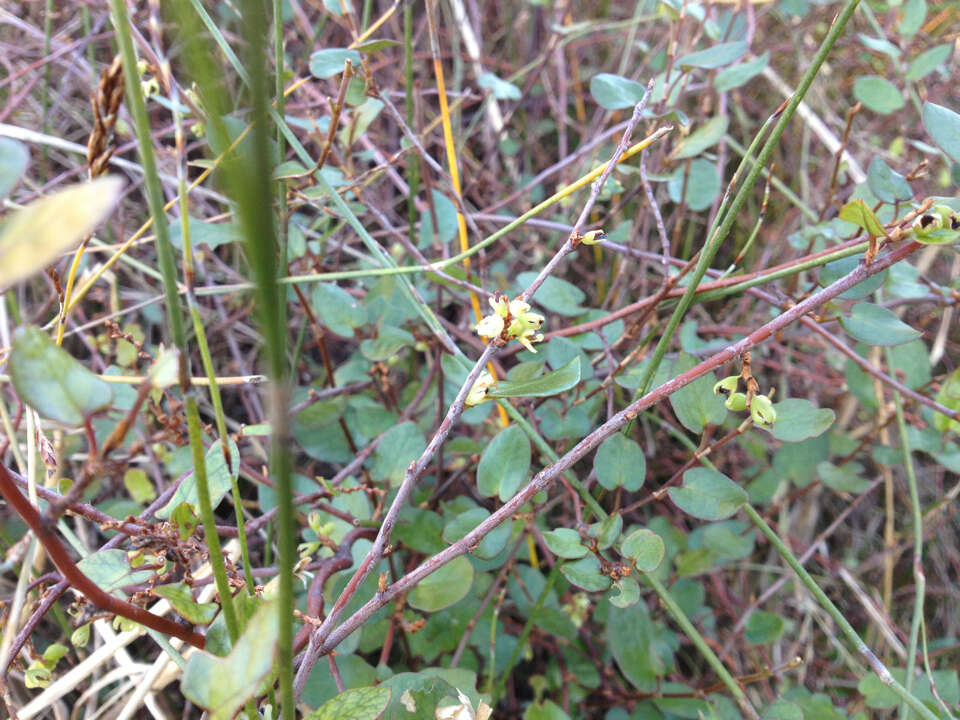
(68, 568)
(341, 560)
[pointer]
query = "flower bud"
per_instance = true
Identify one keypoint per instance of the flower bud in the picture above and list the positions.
(490, 326)
(736, 402)
(762, 412)
(478, 393)
(727, 385)
(593, 237)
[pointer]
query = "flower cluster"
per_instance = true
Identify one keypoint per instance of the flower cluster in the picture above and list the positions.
(511, 320)
(761, 407)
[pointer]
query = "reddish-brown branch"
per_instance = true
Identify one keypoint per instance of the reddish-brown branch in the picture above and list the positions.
(68, 568)
(550, 474)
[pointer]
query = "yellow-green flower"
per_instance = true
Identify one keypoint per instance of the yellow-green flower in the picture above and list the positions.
(478, 393)
(727, 385)
(523, 324)
(490, 327)
(593, 237)
(762, 412)
(736, 402)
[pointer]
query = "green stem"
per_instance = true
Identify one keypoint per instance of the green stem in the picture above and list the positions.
(697, 639)
(209, 524)
(846, 628)
(165, 255)
(151, 180)
(919, 577)
(413, 158)
(223, 434)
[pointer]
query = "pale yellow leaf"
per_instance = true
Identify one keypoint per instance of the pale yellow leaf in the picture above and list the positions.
(35, 236)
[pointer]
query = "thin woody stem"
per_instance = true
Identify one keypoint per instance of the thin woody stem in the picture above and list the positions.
(549, 475)
(386, 528)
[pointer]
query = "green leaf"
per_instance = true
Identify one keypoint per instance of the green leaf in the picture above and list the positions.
(676, 702)
(224, 685)
(914, 13)
(628, 592)
(501, 89)
(331, 61)
(110, 570)
(607, 531)
(370, 47)
(927, 62)
(696, 404)
(491, 545)
(614, 92)
(878, 696)
(643, 650)
(50, 380)
(505, 463)
(555, 295)
(14, 157)
(726, 540)
(645, 548)
(447, 223)
(948, 396)
(184, 519)
(585, 573)
(551, 383)
(447, 586)
(213, 235)
(911, 363)
(416, 695)
(877, 325)
(219, 481)
(781, 709)
(543, 710)
(338, 310)
(181, 600)
(860, 214)
(388, 342)
(357, 704)
(878, 94)
(289, 169)
(707, 135)
(833, 271)
(708, 494)
(619, 462)
(798, 419)
(37, 235)
(764, 627)
(843, 478)
(565, 543)
(886, 184)
(702, 185)
(363, 116)
(399, 446)
(942, 124)
(880, 45)
(739, 75)
(139, 485)
(715, 57)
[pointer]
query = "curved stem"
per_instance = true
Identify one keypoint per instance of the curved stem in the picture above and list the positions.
(83, 584)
